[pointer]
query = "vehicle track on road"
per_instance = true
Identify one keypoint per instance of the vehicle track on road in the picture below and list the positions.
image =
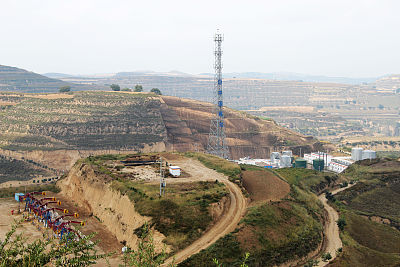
(229, 220)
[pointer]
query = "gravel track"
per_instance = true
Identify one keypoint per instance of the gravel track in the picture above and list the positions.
(229, 220)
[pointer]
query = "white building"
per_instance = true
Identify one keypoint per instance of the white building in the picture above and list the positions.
(337, 167)
(368, 154)
(356, 153)
(175, 171)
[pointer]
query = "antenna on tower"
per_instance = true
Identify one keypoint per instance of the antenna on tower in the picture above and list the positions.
(216, 138)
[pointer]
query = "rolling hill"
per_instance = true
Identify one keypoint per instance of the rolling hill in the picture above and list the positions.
(19, 80)
(69, 126)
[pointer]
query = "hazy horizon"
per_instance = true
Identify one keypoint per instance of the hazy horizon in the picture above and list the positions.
(354, 39)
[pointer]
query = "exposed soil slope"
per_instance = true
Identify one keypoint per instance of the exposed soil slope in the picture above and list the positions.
(58, 129)
(188, 124)
(91, 192)
(264, 186)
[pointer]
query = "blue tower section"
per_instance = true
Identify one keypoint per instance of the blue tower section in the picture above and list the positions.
(216, 139)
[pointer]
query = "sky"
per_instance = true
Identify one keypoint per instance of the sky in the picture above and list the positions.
(357, 38)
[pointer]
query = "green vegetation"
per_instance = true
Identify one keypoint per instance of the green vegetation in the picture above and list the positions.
(156, 91)
(182, 215)
(370, 217)
(65, 89)
(10, 191)
(16, 251)
(306, 179)
(19, 170)
(138, 88)
(145, 255)
(272, 233)
(388, 154)
(115, 87)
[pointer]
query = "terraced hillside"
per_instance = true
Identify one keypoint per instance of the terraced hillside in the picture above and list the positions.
(370, 217)
(84, 120)
(82, 123)
(20, 170)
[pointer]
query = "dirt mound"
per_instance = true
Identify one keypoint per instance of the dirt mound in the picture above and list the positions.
(264, 186)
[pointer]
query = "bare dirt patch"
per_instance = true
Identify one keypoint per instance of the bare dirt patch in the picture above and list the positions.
(264, 186)
(5, 103)
(107, 241)
(50, 96)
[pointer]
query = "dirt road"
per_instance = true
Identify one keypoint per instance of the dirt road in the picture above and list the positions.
(226, 224)
(331, 230)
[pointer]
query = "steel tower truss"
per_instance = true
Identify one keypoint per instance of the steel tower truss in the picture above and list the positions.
(216, 138)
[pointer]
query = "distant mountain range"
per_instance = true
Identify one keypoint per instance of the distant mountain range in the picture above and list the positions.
(19, 80)
(284, 76)
(289, 76)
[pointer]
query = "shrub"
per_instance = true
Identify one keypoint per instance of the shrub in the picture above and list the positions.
(326, 256)
(341, 223)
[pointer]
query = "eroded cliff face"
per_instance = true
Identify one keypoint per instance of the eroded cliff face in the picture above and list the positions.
(92, 191)
(188, 125)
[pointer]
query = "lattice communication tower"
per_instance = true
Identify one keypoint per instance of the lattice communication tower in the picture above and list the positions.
(216, 138)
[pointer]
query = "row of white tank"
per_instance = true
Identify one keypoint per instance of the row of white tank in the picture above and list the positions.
(358, 153)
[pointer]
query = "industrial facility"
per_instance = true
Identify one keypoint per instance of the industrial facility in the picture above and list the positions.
(319, 161)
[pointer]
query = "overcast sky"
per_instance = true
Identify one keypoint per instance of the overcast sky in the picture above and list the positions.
(354, 38)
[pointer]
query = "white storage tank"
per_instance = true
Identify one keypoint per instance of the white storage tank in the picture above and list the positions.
(175, 171)
(275, 156)
(288, 153)
(286, 161)
(368, 154)
(356, 153)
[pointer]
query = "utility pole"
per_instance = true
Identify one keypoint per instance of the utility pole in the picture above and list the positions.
(216, 138)
(163, 183)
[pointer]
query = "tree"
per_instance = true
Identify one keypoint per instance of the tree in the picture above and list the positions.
(64, 89)
(311, 263)
(243, 264)
(138, 88)
(156, 91)
(326, 256)
(15, 251)
(115, 87)
(341, 223)
(145, 255)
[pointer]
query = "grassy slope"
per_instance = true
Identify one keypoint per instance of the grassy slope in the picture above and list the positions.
(182, 215)
(368, 243)
(274, 232)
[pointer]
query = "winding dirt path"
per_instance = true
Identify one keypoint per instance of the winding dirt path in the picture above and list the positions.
(331, 230)
(226, 224)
